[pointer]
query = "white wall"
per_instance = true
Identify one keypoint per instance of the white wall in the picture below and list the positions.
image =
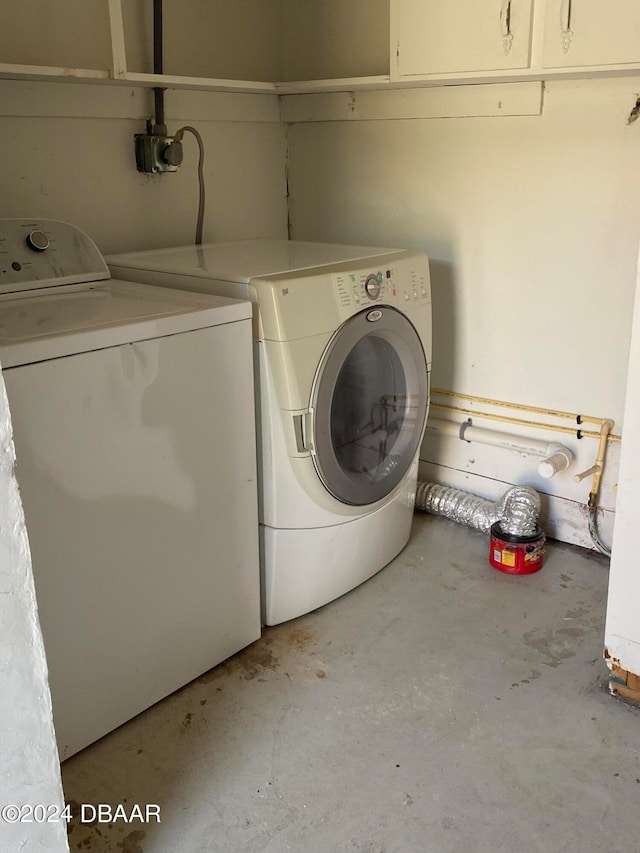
(622, 632)
(29, 768)
(531, 223)
(68, 153)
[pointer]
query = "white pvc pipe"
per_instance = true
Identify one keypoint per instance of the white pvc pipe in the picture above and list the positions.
(557, 457)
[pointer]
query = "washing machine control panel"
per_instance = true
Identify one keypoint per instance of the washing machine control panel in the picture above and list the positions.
(46, 253)
(403, 283)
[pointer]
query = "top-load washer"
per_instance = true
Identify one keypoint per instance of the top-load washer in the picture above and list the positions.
(133, 418)
(342, 353)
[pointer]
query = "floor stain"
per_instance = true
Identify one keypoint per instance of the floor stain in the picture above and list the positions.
(555, 644)
(186, 722)
(365, 846)
(321, 673)
(86, 833)
(89, 835)
(255, 660)
(220, 671)
(577, 613)
(248, 664)
(534, 675)
(299, 637)
(132, 843)
(74, 808)
(583, 553)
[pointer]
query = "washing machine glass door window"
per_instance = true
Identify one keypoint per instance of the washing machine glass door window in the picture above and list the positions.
(369, 403)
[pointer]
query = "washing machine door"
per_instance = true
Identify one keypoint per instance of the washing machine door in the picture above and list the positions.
(369, 405)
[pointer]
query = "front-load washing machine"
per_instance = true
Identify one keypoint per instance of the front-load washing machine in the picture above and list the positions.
(133, 417)
(342, 354)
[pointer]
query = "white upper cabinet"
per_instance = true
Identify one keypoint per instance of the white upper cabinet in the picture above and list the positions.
(591, 32)
(294, 46)
(73, 34)
(449, 36)
(335, 38)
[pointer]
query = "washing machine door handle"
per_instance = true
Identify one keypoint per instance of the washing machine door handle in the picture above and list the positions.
(307, 431)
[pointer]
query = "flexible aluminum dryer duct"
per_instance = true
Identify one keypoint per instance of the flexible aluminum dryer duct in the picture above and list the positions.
(517, 510)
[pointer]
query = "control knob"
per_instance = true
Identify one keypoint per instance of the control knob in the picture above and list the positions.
(38, 241)
(372, 286)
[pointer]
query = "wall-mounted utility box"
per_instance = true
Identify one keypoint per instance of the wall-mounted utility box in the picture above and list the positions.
(150, 153)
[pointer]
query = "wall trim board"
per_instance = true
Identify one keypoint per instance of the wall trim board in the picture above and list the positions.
(35, 99)
(560, 518)
(621, 653)
(222, 106)
(506, 99)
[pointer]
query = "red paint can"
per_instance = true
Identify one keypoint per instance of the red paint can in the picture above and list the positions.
(516, 555)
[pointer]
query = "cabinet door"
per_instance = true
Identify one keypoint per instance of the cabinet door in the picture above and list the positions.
(591, 32)
(441, 36)
(73, 34)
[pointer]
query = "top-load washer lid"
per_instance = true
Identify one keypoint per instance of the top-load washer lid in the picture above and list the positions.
(57, 298)
(243, 260)
(37, 325)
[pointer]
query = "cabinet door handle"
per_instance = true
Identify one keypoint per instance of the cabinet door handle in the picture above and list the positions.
(566, 33)
(505, 25)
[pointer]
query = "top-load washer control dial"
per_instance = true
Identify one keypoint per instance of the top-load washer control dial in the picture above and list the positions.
(38, 241)
(372, 286)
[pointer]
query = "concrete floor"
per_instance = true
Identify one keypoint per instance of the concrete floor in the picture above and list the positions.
(441, 707)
